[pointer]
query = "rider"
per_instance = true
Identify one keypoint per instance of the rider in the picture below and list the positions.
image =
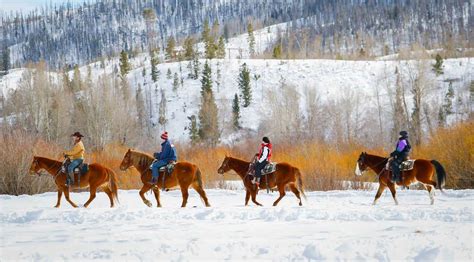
(263, 158)
(167, 155)
(76, 155)
(399, 155)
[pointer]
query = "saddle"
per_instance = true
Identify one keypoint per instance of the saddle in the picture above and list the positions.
(268, 169)
(168, 169)
(406, 165)
(79, 171)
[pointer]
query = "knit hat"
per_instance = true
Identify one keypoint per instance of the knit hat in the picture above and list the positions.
(164, 136)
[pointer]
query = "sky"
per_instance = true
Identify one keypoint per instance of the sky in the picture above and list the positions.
(29, 5)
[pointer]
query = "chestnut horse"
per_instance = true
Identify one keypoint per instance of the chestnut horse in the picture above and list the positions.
(423, 171)
(285, 174)
(97, 176)
(184, 175)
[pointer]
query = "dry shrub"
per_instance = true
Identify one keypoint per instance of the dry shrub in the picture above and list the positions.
(454, 149)
(16, 151)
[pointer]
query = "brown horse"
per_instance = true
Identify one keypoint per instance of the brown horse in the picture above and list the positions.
(184, 175)
(97, 176)
(423, 171)
(284, 174)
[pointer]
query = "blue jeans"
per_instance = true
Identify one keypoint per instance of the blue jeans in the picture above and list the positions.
(74, 163)
(156, 167)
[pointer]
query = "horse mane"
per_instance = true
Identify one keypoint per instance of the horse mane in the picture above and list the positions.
(239, 160)
(143, 159)
(48, 161)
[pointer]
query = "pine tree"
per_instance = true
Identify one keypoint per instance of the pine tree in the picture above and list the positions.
(162, 110)
(221, 48)
(154, 66)
(244, 85)
(277, 51)
(438, 65)
(168, 74)
(170, 48)
(448, 100)
(5, 66)
(398, 109)
(208, 39)
(193, 129)
(175, 82)
(140, 104)
(235, 112)
(189, 52)
(208, 112)
(124, 64)
(226, 33)
(196, 65)
(251, 39)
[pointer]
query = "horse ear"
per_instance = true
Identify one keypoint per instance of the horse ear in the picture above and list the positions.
(129, 150)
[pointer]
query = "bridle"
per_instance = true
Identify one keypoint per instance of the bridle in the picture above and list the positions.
(36, 162)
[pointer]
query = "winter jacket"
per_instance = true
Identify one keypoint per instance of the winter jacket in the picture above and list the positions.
(77, 151)
(265, 152)
(168, 152)
(402, 148)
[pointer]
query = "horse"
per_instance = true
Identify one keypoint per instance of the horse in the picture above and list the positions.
(285, 174)
(423, 171)
(97, 176)
(184, 175)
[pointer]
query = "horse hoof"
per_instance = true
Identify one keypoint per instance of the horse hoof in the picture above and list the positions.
(301, 204)
(148, 203)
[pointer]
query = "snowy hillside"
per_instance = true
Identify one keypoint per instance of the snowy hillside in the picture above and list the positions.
(334, 225)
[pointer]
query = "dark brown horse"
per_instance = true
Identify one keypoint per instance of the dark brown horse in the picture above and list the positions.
(97, 176)
(184, 175)
(423, 171)
(285, 174)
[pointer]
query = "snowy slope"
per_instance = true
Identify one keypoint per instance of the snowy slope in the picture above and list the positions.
(334, 225)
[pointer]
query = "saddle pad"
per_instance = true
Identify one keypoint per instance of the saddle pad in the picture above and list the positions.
(407, 165)
(169, 168)
(269, 168)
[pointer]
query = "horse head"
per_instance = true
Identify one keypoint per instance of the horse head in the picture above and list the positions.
(361, 165)
(35, 167)
(224, 166)
(126, 161)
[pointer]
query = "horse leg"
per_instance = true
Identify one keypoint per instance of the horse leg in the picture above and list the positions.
(93, 191)
(156, 191)
(391, 186)
(247, 197)
(66, 194)
(60, 194)
(184, 192)
(295, 190)
(142, 192)
(281, 189)
(109, 194)
(430, 192)
(379, 193)
(253, 194)
(201, 193)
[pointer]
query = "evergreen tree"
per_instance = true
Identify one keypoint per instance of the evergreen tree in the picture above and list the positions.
(398, 109)
(154, 66)
(193, 129)
(140, 104)
(175, 82)
(221, 48)
(189, 52)
(208, 112)
(251, 39)
(168, 74)
(226, 33)
(196, 65)
(235, 112)
(277, 50)
(124, 64)
(5, 66)
(448, 100)
(209, 42)
(438, 65)
(162, 110)
(170, 48)
(244, 85)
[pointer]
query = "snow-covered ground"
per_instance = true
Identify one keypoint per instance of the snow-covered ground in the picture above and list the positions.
(335, 225)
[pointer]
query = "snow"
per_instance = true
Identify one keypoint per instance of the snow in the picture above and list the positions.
(334, 225)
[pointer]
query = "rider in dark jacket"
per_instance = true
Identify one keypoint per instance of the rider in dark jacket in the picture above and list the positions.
(400, 154)
(167, 155)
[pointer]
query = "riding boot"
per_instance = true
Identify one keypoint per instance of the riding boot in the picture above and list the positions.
(153, 180)
(69, 179)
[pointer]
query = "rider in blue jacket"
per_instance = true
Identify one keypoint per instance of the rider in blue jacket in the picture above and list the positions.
(167, 155)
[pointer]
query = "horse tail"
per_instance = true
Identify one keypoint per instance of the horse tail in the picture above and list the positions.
(440, 174)
(113, 184)
(300, 184)
(199, 177)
